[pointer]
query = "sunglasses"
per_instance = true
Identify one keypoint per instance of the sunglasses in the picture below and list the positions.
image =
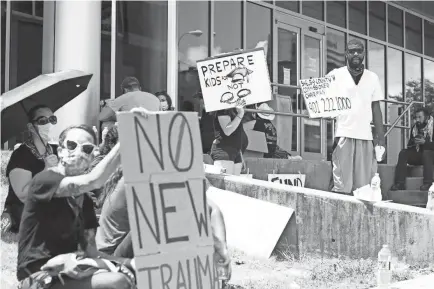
(353, 51)
(87, 148)
(43, 120)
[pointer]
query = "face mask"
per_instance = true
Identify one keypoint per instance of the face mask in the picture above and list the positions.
(75, 162)
(164, 105)
(44, 131)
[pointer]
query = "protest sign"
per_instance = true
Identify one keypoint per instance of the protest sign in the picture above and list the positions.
(232, 79)
(166, 198)
(296, 180)
(323, 97)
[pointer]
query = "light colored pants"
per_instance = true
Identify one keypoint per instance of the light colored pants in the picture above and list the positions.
(354, 164)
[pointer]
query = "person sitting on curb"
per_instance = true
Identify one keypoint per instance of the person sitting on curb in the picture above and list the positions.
(419, 151)
(59, 218)
(30, 158)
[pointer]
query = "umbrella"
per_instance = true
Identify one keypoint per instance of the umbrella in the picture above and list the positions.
(53, 90)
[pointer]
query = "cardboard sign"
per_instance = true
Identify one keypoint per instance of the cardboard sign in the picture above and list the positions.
(252, 226)
(166, 198)
(323, 98)
(233, 79)
(296, 180)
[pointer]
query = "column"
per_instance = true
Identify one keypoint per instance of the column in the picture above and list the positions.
(77, 45)
(48, 37)
(172, 53)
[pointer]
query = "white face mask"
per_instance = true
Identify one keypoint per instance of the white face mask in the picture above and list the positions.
(164, 105)
(44, 131)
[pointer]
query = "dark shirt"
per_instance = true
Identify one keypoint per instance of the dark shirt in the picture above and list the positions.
(49, 225)
(238, 139)
(207, 132)
(267, 127)
(428, 145)
(21, 158)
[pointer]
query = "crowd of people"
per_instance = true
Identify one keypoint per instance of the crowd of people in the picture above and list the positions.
(56, 193)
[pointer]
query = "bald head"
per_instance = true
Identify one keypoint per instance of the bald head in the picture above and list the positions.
(355, 53)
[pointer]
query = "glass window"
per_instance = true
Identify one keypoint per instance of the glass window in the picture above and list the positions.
(3, 46)
(394, 92)
(429, 38)
(377, 20)
(314, 9)
(413, 32)
(413, 80)
(290, 5)
(106, 18)
(357, 16)
(141, 48)
(336, 47)
(336, 13)
(336, 44)
(395, 26)
(23, 6)
(429, 83)
(39, 8)
(193, 45)
(227, 26)
(377, 64)
(258, 30)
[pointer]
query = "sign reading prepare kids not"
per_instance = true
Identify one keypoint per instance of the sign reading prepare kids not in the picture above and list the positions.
(234, 79)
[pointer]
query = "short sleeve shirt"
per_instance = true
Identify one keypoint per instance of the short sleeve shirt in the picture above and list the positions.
(267, 127)
(23, 158)
(357, 123)
(238, 139)
(49, 225)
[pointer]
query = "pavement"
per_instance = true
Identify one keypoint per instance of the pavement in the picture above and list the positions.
(424, 282)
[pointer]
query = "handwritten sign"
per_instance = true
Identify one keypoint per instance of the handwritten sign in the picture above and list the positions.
(296, 180)
(236, 78)
(166, 197)
(323, 98)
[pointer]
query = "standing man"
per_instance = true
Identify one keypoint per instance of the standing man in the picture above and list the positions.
(353, 158)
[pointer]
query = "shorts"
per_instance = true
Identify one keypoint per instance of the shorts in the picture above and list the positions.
(224, 153)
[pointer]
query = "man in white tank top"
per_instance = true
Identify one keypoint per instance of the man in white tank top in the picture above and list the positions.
(353, 158)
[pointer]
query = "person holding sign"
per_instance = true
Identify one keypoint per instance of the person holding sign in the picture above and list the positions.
(231, 140)
(354, 162)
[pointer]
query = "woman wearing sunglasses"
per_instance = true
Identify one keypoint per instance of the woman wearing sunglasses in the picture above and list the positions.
(26, 161)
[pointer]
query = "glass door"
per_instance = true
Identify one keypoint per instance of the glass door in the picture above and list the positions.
(298, 45)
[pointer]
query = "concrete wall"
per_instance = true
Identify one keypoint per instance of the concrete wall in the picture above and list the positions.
(337, 225)
(318, 173)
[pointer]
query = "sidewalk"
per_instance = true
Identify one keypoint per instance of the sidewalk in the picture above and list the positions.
(423, 282)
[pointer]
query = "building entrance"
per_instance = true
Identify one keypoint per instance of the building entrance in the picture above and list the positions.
(298, 54)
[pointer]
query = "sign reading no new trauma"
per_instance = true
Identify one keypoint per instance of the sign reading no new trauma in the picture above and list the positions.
(323, 97)
(167, 207)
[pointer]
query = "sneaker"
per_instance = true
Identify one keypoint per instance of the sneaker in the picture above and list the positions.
(425, 187)
(398, 187)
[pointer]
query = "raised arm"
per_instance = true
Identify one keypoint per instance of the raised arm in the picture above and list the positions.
(229, 126)
(78, 185)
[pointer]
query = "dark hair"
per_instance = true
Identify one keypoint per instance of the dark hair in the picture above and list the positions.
(84, 127)
(187, 106)
(167, 96)
(423, 109)
(130, 82)
(111, 138)
(32, 112)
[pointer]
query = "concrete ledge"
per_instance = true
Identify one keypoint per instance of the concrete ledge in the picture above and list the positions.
(338, 225)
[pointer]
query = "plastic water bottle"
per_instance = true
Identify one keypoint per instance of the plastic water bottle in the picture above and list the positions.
(384, 275)
(222, 272)
(430, 203)
(376, 188)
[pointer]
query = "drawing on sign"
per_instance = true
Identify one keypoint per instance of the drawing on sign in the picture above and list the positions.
(323, 97)
(296, 180)
(235, 79)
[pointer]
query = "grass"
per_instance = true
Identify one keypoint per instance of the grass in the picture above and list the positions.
(285, 272)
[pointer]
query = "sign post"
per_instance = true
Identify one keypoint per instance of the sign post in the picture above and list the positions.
(239, 78)
(323, 98)
(166, 196)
